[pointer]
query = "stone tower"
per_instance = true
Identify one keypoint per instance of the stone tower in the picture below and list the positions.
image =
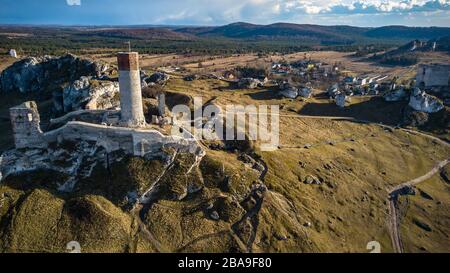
(132, 114)
(26, 125)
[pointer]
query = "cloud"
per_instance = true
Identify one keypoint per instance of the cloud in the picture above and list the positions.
(73, 2)
(370, 6)
(263, 11)
(219, 12)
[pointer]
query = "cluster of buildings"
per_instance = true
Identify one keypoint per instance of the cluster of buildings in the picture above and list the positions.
(307, 69)
(365, 85)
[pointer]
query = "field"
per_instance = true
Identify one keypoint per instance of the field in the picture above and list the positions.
(363, 160)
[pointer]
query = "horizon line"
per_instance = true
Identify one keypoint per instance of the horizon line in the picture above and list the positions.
(194, 25)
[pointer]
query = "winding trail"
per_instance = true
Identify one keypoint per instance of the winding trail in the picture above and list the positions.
(394, 224)
(394, 219)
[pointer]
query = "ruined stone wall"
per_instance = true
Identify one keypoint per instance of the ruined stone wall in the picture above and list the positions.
(25, 122)
(138, 142)
(433, 75)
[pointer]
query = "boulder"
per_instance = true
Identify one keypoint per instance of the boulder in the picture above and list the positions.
(395, 95)
(312, 180)
(423, 102)
(305, 92)
(190, 78)
(157, 78)
(341, 98)
(333, 90)
(249, 83)
(214, 215)
(290, 92)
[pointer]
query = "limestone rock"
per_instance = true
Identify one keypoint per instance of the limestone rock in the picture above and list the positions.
(290, 93)
(86, 93)
(341, 98)
(312, 180)
(395, 95)
(333, 90)
(305, 92)
(157, 78)
(214, 215)
(421, 101)
(190, 78)
(249, 83)
(37, 74)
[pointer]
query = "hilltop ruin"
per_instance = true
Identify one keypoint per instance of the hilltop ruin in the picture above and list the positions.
(123, 130)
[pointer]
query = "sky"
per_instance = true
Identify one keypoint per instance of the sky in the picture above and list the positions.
(370, 13)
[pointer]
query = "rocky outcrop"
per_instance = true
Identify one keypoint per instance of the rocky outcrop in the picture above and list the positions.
(395, 95)
(37, 74)
(305, 92)
(190, 78)
(290, 93)
(333, 90)
(74, 159)
(423, 102)
(157, 78)
(90, 94)
(249, 83)
(341, 99)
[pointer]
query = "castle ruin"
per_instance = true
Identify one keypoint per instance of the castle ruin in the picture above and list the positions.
(132, 114)
(433, 75)
(118, 130)
(26, 125)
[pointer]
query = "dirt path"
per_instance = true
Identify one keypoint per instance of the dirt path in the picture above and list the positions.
(394, 219)
(393, 198)
(142, 228)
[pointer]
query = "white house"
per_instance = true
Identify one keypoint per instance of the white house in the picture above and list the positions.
(13, 53)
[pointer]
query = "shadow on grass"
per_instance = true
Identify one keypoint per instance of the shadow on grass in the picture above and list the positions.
(374, 110)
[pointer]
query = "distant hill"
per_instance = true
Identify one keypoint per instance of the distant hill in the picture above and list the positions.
(233, 38)
(339, 34)
(402, 32)
(241, 30)
(413, 51)
(140, 33)
(443, 44)
(316, 32)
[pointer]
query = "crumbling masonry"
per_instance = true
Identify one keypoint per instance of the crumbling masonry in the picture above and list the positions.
(129, 133)
(433, 75)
